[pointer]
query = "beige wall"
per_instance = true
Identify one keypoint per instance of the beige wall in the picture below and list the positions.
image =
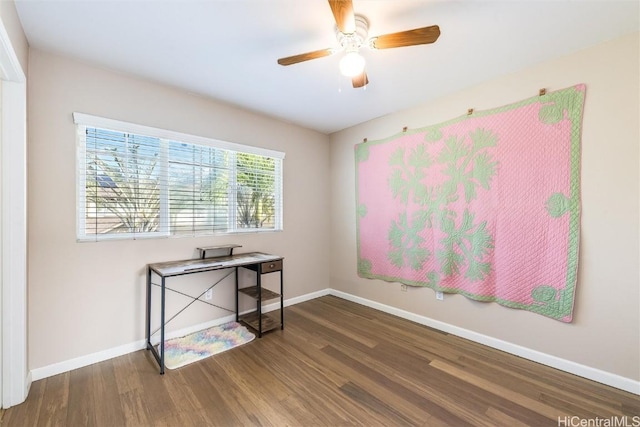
(13, 26)
(89, 297)
(605, 333)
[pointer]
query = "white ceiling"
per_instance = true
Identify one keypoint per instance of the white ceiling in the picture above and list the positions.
(227, 49)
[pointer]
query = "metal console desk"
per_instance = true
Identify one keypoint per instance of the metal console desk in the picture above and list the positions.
(259, 262)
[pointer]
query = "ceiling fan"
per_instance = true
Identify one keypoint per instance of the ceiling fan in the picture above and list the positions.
(352, 33)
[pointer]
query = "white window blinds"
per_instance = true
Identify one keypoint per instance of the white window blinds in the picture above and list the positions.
(136, 181)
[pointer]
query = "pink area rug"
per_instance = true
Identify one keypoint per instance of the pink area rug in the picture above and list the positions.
(202, 344)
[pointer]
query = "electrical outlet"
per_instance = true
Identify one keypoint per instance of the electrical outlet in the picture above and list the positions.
(439, 296)
(209, 294)
(403, 288)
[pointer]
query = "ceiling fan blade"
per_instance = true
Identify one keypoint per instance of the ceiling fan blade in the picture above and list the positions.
(424, 35)
(343, 14)
(360, 80)
(305, 56)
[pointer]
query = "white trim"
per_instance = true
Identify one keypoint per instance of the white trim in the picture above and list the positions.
(597, 375)
(82, 361)
(117, 125)
(91, 238)
(10, 68)
(16, 379)
(81, 179)
(160, 142)
(278, 221)
(2, 320)
(14, 245)
(100, 356)
(578, 369)
(301, 298)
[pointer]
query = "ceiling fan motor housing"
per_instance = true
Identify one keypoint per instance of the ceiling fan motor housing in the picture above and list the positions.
(351, 42)
(355, 34)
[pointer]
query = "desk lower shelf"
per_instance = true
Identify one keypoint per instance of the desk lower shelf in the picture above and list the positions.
(269, 322)
(257, 319)
(266, 294)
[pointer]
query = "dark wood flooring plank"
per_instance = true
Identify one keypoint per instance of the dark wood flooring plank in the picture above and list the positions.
(126, 373)
(503, 420)
(134, 409)
(311, 377)
(322, 322)
(464, 397)
(535, 386)
(388, 388)
(239, 409)
(253, 377)
(156, 398)
(201, 394)
(299, 408)
(81, 410)
(375, 405)
(524, 401)
(28, 412)
(55, 401)
(105, 390)
(336, 363)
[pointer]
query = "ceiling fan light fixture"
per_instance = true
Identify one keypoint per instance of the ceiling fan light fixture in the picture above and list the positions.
(352, 33)
(352, 64)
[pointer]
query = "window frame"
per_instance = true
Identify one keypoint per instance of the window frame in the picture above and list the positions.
(83, 121)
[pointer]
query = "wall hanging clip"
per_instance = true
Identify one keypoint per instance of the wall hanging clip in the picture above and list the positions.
(404, 129)
(364, 140)
(469, 111)
(542, 91)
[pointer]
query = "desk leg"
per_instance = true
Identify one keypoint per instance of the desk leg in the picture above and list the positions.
(237, 298)
(259, 284)
(162, 304)
(281, 300)
(148, 325)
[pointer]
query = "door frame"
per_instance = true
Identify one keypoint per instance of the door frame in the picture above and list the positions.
(15, 379)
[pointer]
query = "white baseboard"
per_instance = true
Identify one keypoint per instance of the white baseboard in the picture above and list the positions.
(27, 384)
(298, 300)
(578, 369)
(100, 356)
(584, 371)
(82, 361)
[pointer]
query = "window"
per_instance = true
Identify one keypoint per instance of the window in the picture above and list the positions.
(136, 181)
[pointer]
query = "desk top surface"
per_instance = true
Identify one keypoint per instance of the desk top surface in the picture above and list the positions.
(175, 268)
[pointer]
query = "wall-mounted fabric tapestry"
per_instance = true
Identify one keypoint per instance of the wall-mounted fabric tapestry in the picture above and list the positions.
(486, 205)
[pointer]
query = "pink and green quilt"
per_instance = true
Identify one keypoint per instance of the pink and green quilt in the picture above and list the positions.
(485, 205)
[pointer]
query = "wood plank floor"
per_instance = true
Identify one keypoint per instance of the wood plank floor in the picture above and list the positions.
(336, 364)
